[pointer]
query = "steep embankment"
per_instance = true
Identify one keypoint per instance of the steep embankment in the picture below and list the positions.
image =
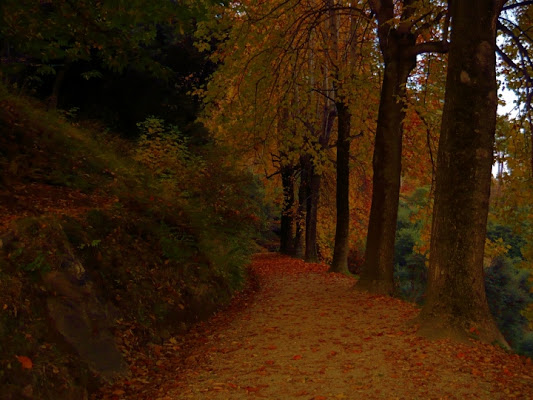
(97, 258)
(307, 334)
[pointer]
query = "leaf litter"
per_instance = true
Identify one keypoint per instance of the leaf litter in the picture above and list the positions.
(307, 334)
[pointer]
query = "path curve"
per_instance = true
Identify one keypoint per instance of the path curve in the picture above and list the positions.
(307, 334)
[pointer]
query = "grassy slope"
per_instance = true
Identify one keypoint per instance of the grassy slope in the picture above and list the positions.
(68, 192)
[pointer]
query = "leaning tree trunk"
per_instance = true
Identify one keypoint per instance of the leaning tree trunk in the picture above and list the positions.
(342, 231)
(286, 234)
(456, 302)
(377, 272)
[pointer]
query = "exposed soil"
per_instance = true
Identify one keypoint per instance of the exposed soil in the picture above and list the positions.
(307, 334)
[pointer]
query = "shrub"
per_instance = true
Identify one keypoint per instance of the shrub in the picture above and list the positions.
(509, 293)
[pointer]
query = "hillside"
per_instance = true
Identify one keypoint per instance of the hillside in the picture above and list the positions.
(98, 255)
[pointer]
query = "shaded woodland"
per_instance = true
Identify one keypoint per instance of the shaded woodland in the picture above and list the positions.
(148, 149)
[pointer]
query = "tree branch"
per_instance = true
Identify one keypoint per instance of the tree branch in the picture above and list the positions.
(524, 53)
(516, 5)
(429, 47)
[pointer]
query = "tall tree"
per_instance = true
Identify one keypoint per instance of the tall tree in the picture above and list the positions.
(456, 302)
(342, 197)
(401, 26)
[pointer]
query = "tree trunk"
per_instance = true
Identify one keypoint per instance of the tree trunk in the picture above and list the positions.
(377, 272)
(286, 235)
(311, 249)
(53, 100)
(298, 250)
(456, 304)
(342, 231)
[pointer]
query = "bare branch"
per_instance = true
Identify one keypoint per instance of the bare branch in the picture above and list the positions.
(430, 47)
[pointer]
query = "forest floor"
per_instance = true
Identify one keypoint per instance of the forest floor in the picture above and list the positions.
(302, 333)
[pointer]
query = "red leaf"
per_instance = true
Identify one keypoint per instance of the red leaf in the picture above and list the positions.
(297, 357)
(25, 362)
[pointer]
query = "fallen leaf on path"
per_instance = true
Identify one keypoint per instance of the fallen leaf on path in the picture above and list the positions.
(25, 362)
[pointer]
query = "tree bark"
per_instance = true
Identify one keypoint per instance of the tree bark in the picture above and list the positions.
(377, 271)
(311, 216)
(298, 250)
(342, 230)
(456, 304)
(286, 235)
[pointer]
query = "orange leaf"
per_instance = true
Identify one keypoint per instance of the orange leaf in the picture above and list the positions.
(118, 392)
(25, 362)
(297, 357)
(157, 350)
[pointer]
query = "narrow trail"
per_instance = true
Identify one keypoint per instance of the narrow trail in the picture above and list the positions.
(307, 334)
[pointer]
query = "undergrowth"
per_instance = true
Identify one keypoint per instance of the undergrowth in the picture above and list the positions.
(163, 241)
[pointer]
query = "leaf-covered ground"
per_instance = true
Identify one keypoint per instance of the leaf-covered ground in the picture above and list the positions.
(307, 334)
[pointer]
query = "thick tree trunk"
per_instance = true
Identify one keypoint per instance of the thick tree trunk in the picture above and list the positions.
(286, 235)
(377, 272)
(342, 231)
(456, 302)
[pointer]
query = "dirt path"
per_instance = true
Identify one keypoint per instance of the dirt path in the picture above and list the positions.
(307, 334)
